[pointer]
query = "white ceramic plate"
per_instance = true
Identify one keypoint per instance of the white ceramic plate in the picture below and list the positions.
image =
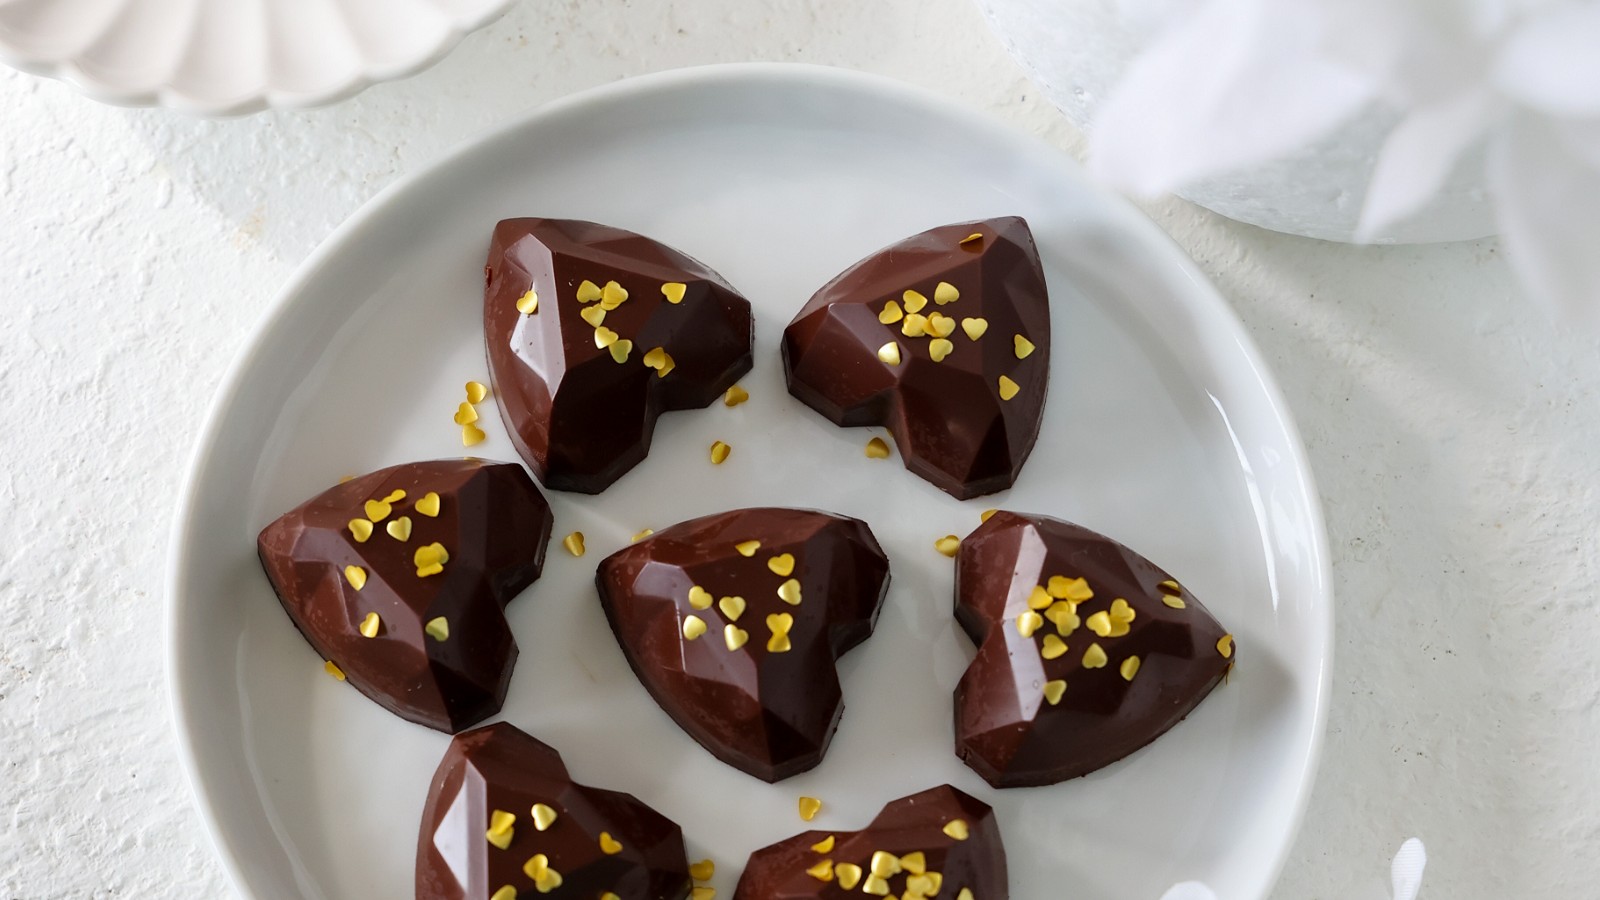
(1163, 429)
(224, 57)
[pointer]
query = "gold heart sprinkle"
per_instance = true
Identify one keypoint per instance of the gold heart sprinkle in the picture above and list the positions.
(891, 313)
(1094, 657)
(1008, 388)
(704, 870)
(949, 545)
(735, 396)
(782, 565)
(377, 510)
(588, 291)
(693, 627)
(476, 392)
(883, 865)
(674, 291)
(430, 559)
(732, 607)
(747, 548)
(1129, 668)
(1053, 691)
(1225, 646)
(613, 295)
(822, 871)
(735, 637)
(1028, 623)
(780, 623)
(360, 529)
(356, 575)
(621, 349)
(1054, 647)
(789, 592)
(719, 452)
(438, 628)
(1039, 598)
(465, 414)
(395, 496)
(876, 884)
(945, 292)
(642, 534)
(975, 236)
(1065, 617)
(1170, 587)
(429, 504)
(370, 625)
(594, 315)
(472, 435)
(779, 641)
(987, 514)
(823, 846)
(915, 325)
(914, 301)
(944, 326)
(974, 327)
(877, 448)
(916, 863)
(890, 353)
(574, 543)
(659, 360)
(529, 304)
(1022, 346)
(543, 817)
(604, 337)
(956, 829)
(609, 845)
(331, 669)
(399, 529)
(923, 885)
(809, 807)
(1074, 589)
(1174, 602)
(939, 348)
(699, 597)
(849, 874)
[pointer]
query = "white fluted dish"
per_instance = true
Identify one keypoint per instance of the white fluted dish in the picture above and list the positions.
(228, 57)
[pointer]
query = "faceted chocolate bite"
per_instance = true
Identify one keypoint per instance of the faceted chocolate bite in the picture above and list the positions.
(591, 333)
(400, 580)
(1086, 651)
(734, 623)
(944, 338)
(939, 843)
(504, 819)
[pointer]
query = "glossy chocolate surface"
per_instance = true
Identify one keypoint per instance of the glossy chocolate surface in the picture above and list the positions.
(491, 521)
(949, 419)
(582, 414)
(598, 840)
(1007, 729)
(930, 823)
(770, 705)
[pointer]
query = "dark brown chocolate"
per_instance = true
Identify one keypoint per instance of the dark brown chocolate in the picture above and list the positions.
(623, 329)
(1086, 651)
(400, 579)
(939, 843)
(733, 622)
(944, 338)
(504, 819)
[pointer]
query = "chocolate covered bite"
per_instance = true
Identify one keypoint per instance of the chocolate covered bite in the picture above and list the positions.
(944, 338)
(400, 578)
(591, 333)
(1086, 651)
(939, 843)
(734, 621)
(504, 820)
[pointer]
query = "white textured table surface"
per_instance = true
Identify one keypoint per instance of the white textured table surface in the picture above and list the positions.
(1449, 423)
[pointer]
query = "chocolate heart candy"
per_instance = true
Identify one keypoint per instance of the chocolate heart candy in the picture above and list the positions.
(940, 842)
(734, 623)
(504, 819)
(591, 333)
(400, 578)
(945, 339)
(1086, 651)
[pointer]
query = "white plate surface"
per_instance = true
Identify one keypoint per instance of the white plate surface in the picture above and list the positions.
(1163, 429)
(224, 57)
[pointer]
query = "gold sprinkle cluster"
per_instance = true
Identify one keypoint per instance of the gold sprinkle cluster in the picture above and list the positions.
(501, 833)
(694, 626)
(429, 559)
(877, 874)
(609, 297)
(467, 413)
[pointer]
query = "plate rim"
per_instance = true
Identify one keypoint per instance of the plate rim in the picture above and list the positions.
(787, 76)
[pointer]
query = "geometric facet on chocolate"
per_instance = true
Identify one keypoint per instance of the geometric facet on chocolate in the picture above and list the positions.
(503, 812)
(941, 842)
(623, 329)
(943, 338)
(1086, 651)
(400, 579)
(734, 622)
